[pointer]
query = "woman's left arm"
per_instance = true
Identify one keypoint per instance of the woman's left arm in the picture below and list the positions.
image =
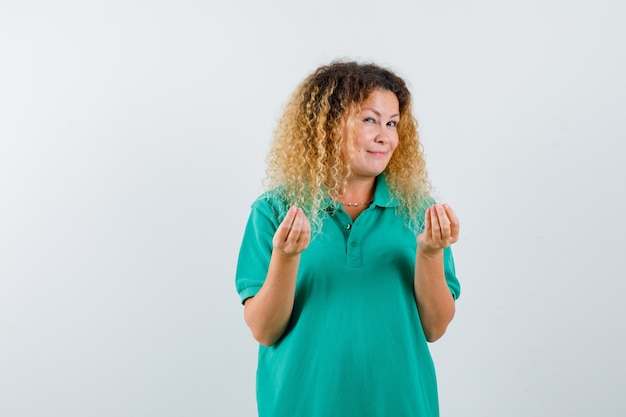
(434, 301)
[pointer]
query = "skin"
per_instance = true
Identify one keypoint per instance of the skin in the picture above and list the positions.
(268, 312)
(373, 140)
(432, 295)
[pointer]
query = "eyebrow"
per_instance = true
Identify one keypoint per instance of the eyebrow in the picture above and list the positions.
(378, 113)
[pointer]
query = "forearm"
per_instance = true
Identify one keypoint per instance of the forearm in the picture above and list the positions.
(434, 301)
(268, 312)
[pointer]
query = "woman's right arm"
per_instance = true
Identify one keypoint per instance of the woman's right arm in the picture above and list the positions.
(268, 312)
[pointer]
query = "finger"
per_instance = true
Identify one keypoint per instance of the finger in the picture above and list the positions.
(305, 233)
(444, 221)
(301, 229)
(435, 226)
(455, 224)
(296, 227)
(427, 222)
(284, 228)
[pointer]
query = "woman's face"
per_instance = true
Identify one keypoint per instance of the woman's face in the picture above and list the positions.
(375, 134)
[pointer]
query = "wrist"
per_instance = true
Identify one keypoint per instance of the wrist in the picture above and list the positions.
(285, 257)
(429, 253)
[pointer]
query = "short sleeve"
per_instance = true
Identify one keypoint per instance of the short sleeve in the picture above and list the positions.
(450, 273)
(256, 247)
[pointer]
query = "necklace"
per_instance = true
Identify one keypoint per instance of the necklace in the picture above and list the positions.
(370, 201)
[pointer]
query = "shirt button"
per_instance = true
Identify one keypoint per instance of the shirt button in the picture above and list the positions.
(353, 244)
(348, 226)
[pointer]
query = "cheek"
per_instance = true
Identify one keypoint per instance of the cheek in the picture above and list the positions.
(358, 144)
(394, 143)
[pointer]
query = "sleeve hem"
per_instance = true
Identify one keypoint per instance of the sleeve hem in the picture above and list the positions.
(248, 292)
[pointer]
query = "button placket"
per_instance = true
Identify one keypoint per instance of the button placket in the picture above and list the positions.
(354, 248)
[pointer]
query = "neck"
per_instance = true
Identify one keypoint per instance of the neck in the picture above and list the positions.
(357, 193)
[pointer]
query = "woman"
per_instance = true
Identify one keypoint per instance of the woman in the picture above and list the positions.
(345, 269)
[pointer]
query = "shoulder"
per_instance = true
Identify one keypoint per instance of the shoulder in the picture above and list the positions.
(271, 203)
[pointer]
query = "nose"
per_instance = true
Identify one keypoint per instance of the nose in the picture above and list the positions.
(382, 136)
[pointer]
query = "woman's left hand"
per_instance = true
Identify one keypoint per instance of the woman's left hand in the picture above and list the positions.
(441, 229)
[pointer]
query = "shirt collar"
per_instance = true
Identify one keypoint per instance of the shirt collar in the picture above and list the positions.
(382, 194)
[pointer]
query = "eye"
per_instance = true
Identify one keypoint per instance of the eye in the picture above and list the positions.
(392, 123)
(369, 120)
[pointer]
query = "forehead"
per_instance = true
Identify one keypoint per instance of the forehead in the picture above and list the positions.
(382, 99)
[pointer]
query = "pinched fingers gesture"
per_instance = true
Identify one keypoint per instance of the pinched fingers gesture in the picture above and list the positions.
(441, 228)
(293, 234)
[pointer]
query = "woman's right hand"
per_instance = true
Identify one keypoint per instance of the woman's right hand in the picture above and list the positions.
(268, 312)
(293, 234)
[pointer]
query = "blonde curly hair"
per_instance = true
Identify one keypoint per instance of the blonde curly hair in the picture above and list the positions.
(305, 160)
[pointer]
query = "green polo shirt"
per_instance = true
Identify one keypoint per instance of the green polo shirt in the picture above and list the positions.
(354, 345)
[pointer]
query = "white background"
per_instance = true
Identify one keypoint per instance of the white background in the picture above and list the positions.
(132, 142)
